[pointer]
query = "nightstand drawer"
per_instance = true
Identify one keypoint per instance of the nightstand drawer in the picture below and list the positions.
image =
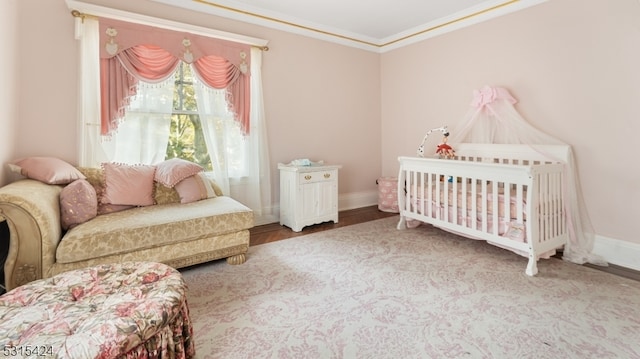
(320, 176)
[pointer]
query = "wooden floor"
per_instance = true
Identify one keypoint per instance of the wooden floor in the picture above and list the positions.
(275, 232)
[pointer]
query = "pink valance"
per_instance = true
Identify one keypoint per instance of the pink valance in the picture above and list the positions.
(130, 53)
(217, 72)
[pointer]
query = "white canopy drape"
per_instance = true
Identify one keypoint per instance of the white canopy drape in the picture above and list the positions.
(494, 119)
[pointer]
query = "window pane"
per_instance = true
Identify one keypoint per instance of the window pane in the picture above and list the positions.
(186, 140)
(184, 98)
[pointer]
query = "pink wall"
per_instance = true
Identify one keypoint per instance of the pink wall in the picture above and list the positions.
(572, 64)
(8, 96)
(321, 99)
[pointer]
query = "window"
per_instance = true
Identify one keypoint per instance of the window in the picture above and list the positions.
(152, 131)
(186, 139)
(181, 114)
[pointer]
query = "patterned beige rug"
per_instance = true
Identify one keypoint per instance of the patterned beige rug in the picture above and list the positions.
(372, 291)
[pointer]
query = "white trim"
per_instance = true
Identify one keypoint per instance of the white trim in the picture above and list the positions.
(279, 21)
(354, 200)
(452, 24)
(100, 11)
(615, 251)
(268, 218)
(346, 201)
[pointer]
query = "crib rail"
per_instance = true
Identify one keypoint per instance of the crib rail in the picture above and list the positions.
(515, 206)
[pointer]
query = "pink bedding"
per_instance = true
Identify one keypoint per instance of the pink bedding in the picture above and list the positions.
(508, 227)
(514, 207)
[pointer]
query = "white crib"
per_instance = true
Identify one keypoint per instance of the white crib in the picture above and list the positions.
(509, 195)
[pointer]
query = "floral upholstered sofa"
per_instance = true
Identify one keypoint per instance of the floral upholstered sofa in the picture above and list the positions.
(62, 217)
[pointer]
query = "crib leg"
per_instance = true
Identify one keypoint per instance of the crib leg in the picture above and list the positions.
(402, 224)
(532, 266)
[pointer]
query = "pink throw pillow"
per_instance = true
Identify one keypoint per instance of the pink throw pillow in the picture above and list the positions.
(172, 171)
(195, 188)
(78, 203)
(49, 170)
(127, 184)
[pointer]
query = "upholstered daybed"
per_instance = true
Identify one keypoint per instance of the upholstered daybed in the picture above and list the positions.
(167, 231)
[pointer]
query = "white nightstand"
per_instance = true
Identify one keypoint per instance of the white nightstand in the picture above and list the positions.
(308, 195)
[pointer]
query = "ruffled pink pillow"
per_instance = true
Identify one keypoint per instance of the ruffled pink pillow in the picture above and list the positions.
(127, 184)
(78, 203)
(172, 171)
(49, 170)
(195, 188)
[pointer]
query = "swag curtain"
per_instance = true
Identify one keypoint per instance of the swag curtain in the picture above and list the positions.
(120, 76)
(144, 136)
(252, 185)
(129, 55)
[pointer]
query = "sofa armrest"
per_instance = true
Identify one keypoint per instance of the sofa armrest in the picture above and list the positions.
(32, 211)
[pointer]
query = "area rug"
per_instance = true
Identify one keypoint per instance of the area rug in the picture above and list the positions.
(372, 291)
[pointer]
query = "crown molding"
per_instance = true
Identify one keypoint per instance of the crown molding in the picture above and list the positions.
(474, 15)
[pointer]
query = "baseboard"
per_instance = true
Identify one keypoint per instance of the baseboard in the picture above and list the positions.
(618, 252)
(345, 202)
(269, 215)
(354, 200)
(266, 219)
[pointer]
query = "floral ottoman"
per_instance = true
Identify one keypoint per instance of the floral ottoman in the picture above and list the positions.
(125, 310)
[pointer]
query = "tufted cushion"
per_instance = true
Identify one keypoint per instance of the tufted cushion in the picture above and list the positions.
(78, 203)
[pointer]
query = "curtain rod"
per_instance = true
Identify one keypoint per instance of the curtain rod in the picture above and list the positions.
(200, 31)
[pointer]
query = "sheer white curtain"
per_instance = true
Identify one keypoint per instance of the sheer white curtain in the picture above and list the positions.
(143, 135)
(90, 152)
(240, 163)
(220, 131)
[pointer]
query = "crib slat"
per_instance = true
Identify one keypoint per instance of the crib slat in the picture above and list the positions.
(495, 205)
(445, 192)
(520, 203)
(506, 188)
(455, 210)
(483, 200)
(429, 196)
(474, 203)
(544, 193)
(465, 214)
(420, 191)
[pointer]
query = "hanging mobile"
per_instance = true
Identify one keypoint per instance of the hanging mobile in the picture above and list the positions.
(443, 150)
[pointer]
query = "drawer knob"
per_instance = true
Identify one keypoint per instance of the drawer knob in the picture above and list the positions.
(307, 177)
(327, 175)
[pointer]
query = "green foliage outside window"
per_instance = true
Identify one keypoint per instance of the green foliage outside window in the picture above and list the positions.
(186, 139)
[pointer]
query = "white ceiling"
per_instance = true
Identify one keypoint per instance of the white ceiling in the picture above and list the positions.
(376, 25)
